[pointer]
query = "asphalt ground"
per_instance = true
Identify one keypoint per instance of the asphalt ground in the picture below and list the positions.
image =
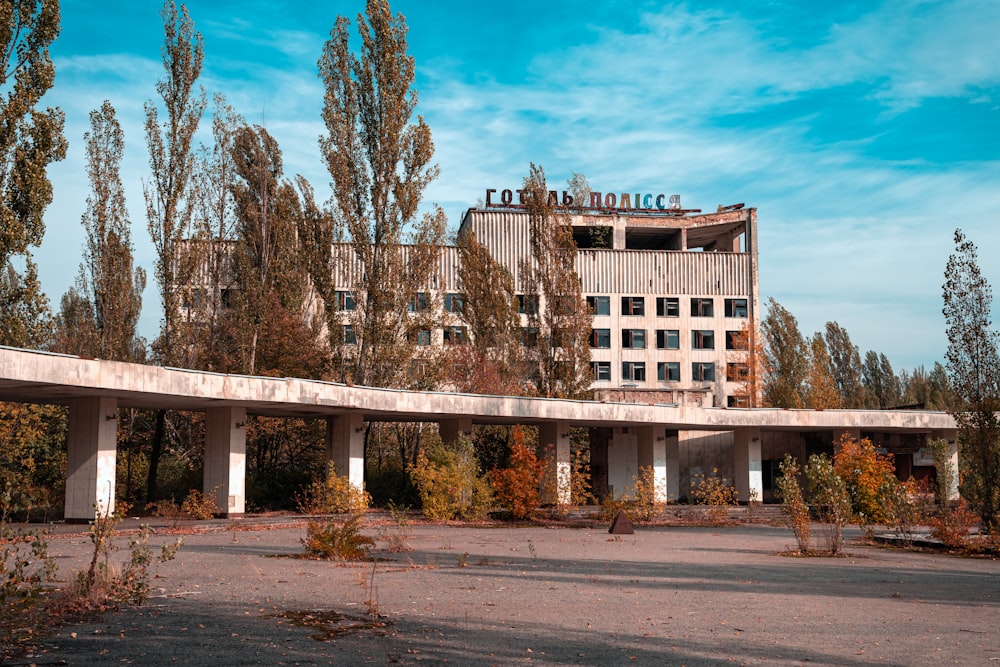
(540, 595)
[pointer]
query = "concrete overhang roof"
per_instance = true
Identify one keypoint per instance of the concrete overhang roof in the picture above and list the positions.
(37, 377)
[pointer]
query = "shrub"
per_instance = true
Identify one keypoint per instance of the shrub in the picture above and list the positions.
(339, 540)
(517, 486)
(793, 503)
(952, 526)
(649, 504)
(199, 505)
(449, 482)
(944, 470)
(24, 561)
(716, 492)
(579, 482)
(831, 499)
(869, 478)
(333, 495)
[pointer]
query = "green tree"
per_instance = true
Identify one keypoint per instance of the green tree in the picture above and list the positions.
(379, 162)
(559, 360)
(30, 139)
(169, 205)
(974, 369)
(786, 357)
(845, 360)
(881, 384)
(107, 277)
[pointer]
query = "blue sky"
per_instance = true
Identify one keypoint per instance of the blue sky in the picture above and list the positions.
(863, 132)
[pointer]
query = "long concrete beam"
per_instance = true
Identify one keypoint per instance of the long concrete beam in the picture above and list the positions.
(37, 377)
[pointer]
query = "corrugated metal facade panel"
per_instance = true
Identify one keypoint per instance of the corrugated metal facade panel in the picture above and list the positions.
(659, 272)
(347, 268)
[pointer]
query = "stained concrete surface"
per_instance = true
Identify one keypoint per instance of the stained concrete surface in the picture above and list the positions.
(542, 595)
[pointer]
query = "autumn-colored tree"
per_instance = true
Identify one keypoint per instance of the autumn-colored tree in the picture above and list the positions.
(931, 390)
(379, 161)
(517, 486)
(169, 205)
(974, 370)
(787, 357)
(869, 476)
(821, 387)
(490, 362)
(749, 390)
(30, 139)
(559, 360)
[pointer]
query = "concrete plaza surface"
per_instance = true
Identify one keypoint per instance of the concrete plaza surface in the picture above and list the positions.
(541, 595)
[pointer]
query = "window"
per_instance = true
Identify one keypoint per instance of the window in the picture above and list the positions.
(228, 297)
(668, 339)
(601, 370)
(703, 340)
(668, 371)
(527, 304)
(736, 307)
(418, 304)
(736, 340)
(633, 305)
(423, 337)
(634, 339)
(702, 371)
(349, 337)
(701, 307)
(600, 338)
(529, 336)
(634, 371)
(345, 300)
(668, 306)
(738, 402)
(455, 335)
(737, 372)
(600, 305)
(453, 303)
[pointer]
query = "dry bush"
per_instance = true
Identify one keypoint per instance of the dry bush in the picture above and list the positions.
(449, 482)
(793, 503)
(517, 486)
(199, 505)
(715, 492)
(333, 495)
(648, 504)
(337, 540)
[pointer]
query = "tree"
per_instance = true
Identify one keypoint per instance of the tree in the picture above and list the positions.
(974, 370)
(380, 165)
(821, 389)
(749, 389)
(168, 202)
(30, 139)
(491, 361)
(107, 278)
(559, 358)
(787, 358)
(845, 360)
(881, 384)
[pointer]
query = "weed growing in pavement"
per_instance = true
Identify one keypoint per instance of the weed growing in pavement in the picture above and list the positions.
(338, 540)
(793, 503)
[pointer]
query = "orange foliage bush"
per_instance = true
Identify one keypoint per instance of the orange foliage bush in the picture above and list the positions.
(517, 486)
(870, 478)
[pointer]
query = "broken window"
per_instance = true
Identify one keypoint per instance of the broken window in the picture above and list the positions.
(701, 307)
(736, 307)
(634, 371)
(633, 305)
(702, 371)
(703, 340)
(737, 372)
(668, 339)
(668, 371)
(599, 305)
(600, 338)
(736, 340)
(601, 370)
(634, 339)
(668, 306)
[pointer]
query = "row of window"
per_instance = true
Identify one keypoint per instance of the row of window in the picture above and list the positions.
(452, 336)
(666, 306)
(669, 371)
(667, 339)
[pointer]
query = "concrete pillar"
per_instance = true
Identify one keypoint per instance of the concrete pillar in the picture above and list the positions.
(747, 464)
(653, 454)
(672, 455)
(951, 436)
(91, 458)
(449, 429)
(345, 447)
(226, 459)
(554, 438)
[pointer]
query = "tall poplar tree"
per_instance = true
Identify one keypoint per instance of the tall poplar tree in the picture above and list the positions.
(30, 139)
(107, 277)
(379, 161)
(974, 369)
(561, 319)
(171, 158)
(845, 360)
(787, 358)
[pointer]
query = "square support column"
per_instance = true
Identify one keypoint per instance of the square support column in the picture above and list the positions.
(449, 429)
(673, 462)
(748, 466)
(952, 437)
(653, 454)
(226, 459)
(91, 458)
(345, 447)
(554, 438)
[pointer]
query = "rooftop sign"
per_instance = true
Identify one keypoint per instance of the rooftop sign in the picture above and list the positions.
(608, 202)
